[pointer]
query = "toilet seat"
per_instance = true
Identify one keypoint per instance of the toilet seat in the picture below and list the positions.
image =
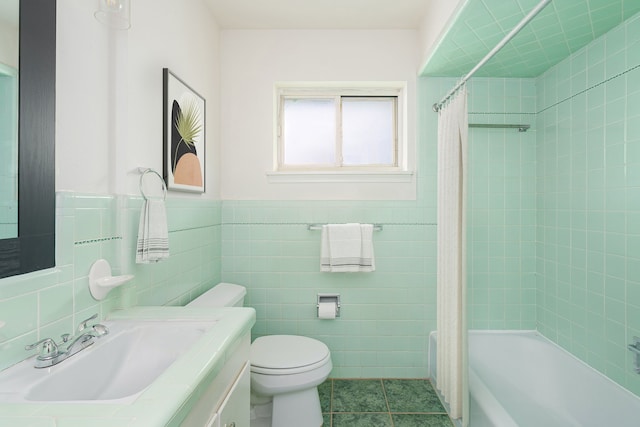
(287, 354)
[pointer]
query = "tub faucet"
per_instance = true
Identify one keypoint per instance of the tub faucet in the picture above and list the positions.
(80, 342)
(52, 353)
(83, 325)
(48, 351)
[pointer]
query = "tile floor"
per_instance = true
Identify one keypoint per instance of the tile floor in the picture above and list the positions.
(381, 403)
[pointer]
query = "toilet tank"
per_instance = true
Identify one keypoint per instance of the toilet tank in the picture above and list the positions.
(221, 295)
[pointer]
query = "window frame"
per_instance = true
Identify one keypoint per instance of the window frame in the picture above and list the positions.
(336, 91)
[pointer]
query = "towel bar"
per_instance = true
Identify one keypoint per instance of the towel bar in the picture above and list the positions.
(315, 227)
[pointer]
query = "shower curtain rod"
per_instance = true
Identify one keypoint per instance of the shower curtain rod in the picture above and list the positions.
(438, 105)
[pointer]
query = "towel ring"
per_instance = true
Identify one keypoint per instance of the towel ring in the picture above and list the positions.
(164, 186)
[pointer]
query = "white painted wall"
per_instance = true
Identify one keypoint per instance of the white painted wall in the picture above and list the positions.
(435, 24)
(8, 44)
(109, 91)
(253, 60)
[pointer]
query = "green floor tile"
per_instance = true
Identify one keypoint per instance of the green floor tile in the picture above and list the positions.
(361, 420)
(421, 420)
(384, 402)
(409, 395)
(324, 392)
(358, 396)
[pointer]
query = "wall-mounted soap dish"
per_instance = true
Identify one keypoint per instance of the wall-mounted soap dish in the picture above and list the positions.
(101, 281)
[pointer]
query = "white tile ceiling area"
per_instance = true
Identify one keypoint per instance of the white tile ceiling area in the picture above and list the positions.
(320, 14)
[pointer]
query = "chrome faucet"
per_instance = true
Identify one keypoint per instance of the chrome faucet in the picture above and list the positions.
(83, 325)
(52, 353)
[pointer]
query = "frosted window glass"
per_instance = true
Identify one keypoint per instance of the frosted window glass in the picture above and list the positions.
(309, 132)
(368, 129)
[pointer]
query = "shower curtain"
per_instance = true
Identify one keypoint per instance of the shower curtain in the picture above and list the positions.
(451, 269)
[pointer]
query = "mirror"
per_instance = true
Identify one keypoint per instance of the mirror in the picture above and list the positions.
(9, 119)
(34, 246)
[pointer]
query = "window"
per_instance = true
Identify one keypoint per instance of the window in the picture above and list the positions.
(338, 129)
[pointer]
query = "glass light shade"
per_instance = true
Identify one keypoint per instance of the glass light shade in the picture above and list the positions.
(114, 13)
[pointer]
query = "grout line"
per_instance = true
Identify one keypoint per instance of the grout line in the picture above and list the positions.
(386, 401)
(331, 405)
(620, 74)
(589, 88)
(97, 240)
(306, 224)
(384, 391)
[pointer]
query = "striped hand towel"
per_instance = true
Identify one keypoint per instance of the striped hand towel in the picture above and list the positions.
(347, 248)
(153, 235)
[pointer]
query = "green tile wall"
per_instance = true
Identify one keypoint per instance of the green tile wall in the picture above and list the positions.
(588, 183)
(501, 205)
(89, 227)
(386, 315)
(553, 240)
(501, 221)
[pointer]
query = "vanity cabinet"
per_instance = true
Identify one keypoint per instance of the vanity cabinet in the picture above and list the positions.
(234, 411)
(205, 382)
(223, 397)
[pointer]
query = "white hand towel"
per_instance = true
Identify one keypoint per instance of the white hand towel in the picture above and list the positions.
(367, 258)
(347, 248)
(153, 235)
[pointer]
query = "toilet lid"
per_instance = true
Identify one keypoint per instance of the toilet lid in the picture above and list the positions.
(287, 351)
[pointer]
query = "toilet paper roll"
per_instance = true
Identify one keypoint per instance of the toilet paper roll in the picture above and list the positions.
(327, 310)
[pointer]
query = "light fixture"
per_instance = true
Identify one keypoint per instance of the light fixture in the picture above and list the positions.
(114, 13)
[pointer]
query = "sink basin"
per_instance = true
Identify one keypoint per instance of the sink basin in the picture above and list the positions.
(118, 367)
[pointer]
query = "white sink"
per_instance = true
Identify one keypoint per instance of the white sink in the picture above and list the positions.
(117, 368)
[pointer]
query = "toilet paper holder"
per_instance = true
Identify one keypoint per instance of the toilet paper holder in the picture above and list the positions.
(329, 298)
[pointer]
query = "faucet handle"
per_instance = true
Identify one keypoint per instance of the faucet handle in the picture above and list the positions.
(83, 325)
(100, 329)
(49, 348)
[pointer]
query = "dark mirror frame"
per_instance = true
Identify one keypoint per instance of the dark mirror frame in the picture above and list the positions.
(34, 248)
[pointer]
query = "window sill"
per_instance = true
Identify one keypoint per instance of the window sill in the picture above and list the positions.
(337, 176)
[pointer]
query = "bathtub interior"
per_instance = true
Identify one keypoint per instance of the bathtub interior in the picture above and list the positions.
(513, 374)
(484, 408)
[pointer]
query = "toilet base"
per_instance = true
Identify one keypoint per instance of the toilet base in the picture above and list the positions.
(297, 408)
(300, 408)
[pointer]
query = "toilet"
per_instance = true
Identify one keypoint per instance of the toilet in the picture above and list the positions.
(285, 369)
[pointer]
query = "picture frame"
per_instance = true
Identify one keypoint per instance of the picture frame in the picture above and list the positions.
(184, 148)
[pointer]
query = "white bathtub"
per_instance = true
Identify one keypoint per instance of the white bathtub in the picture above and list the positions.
(521, 379)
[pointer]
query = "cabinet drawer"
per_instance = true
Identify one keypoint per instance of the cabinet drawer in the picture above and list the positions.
(219, 386)
(234, 411)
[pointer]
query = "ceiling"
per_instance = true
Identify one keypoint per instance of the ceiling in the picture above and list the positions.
(561, 29)
(319, 14)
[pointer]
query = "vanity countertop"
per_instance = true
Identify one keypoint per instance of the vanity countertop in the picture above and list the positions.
(167, 396)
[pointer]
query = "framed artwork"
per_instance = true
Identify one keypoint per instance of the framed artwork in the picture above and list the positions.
(183, 135)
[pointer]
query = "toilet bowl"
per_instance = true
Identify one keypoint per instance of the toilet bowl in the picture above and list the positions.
(285, 369)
